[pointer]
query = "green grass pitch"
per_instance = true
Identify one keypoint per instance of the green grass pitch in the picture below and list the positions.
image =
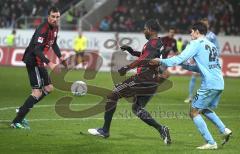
(51, 133)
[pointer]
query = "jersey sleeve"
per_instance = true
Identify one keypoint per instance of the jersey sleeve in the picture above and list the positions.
(141, 60)
(39, 41)
(40, 36)
(56, 48)
(193, 68)
(186, 54)
(136, 53)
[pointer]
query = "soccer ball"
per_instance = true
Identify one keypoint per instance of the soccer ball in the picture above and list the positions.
(79, 88)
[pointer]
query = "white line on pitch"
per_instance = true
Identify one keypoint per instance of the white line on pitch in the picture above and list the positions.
(121, 104)
(130, 118)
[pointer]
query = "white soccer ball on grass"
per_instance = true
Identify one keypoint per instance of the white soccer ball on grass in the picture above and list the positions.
(79, 88)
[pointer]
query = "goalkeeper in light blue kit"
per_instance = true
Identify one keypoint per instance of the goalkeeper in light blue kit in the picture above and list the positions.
(212, 38)
(206, 57)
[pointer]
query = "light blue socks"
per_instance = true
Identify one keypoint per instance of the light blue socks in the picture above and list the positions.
(202, 127)
(215, 119)
(192, 85)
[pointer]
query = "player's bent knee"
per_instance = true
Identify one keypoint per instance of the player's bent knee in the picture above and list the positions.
(111, 103)
(113, 96)
(193, 113)
(36, 93)
(136, 109)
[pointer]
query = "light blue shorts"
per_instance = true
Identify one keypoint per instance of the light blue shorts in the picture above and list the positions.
(205, 99)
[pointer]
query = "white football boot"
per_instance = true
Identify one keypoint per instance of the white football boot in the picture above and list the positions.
(226, 135)
(208, 146)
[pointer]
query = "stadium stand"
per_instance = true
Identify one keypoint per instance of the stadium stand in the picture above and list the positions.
(35, 10)
(130, 15)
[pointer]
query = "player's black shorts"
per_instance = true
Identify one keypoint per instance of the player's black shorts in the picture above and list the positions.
(144, 84)
(38, 76)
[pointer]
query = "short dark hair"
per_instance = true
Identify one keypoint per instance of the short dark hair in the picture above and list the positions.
(53, 9)
(201, 27)
(153, 25)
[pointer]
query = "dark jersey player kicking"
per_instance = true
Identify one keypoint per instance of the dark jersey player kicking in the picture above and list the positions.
(141, 86)
(44, 37)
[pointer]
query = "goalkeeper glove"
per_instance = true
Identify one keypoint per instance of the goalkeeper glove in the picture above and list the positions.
(128, 48)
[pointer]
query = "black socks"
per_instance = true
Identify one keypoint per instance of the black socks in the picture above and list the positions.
(25, 108)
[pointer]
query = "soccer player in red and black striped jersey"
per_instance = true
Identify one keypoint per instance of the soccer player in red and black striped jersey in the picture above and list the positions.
(44, 38)
(169, 46)
(141, 86)
(169, 43)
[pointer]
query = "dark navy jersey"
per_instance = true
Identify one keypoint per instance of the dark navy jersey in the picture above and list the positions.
(170, 44)
(44, 37)
(152, 49)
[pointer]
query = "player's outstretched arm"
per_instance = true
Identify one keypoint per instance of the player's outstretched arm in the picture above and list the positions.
(193, 68)
(130, 50)
(58, 53)
(56, 49)
(186, 54)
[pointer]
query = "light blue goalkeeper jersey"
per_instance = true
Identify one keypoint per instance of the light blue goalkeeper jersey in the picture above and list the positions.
(206, 56)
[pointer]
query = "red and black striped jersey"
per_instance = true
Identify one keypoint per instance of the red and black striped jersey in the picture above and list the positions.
(152, 49)
(44, 37)
(169, 44)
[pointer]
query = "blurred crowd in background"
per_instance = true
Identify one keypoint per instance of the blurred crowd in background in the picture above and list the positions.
(12, 12)
(130, 15)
